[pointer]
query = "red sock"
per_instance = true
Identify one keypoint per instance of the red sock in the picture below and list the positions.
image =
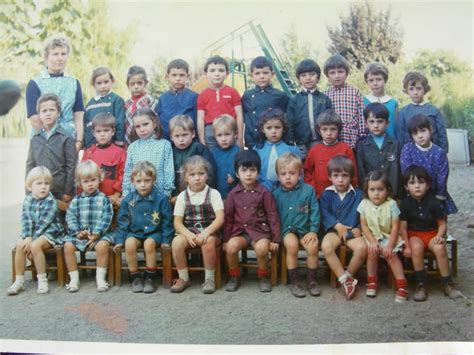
(234, 272)
(401, 283)
(372, 279)
(263, 273)
(151, 268)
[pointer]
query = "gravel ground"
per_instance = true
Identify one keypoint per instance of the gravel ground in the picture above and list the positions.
(244, 317)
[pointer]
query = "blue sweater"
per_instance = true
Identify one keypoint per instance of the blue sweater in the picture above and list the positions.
(224, 160)
(334, 211)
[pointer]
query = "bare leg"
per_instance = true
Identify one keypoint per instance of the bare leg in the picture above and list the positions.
(209, 253)
(178, 247)
(359, 254)
(439, 251)
(70, 256)
(150, 252)
(291, 244)
(417, 253)
(261, 248)
(38, 248)
(311, 254)
(232, 248)
(131, 246)
(329, 245)
(102, 253)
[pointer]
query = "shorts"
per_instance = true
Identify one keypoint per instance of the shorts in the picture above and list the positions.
(209, 136)
(349, 235)
(384, 241)
(425, 236)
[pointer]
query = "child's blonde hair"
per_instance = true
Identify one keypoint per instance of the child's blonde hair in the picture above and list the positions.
(99, 72)
(143, 167)
(225, 120)
(182, 121)
(195, 161)
(288, 159)
(39, 172)
(87, 169)
(57, 40)
(49, 97)
(103, 119)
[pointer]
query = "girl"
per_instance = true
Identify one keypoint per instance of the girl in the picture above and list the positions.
(271, 145)
(41, 229)
(105, 101)
(136, 82)
(198, 216)
(88, 219)
(152, 148)
(380, 224)
(144, 221)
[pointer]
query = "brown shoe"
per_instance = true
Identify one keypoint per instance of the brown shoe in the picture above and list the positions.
(179, 285)
(420, 293)
(313, 289)
(451, 291)
(297, 290)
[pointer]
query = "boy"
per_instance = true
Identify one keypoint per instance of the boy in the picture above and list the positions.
(53, 148)
(346, 100)
(379, 151)
(341, 222)
(251, 218)
(261, 98)
(423, 226)
(181, 128)
(299, 217)
(376, 76)
(108, 156)
(178, 100)
(225, 132)
(216, 100)
(306, 106)
(315, 166)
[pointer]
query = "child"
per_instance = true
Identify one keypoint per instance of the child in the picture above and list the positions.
(423, 226)
(341, 222)
(299, 217)
(54, 149)
(251, 219)
(380, 226)
(105, 101)
(346, 100)
(415, 84)
(108, 156)
(271, 145)
(88, 219)
(152, 148)
(181, 128)
(305, 107)
(216, 100)
(261, 98)
(424, 153)
(136, 83)
(379, 151)
(225, 132)
(315, 166)
(198, 217)
(41, 229)
(145, 220)
(376, 76)
(178, 100)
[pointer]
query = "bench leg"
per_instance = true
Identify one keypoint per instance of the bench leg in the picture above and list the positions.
(454, 258)
(167, 266)
(60, 266)
(13, 265)
(118, 267)
(274, 268)
(218, 275)
(284, 269)
(110, 267)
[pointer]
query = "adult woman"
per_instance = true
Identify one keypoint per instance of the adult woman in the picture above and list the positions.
(54, 80)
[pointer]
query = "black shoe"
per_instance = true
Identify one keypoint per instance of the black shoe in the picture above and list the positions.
(150, 286)
(137, 285)
(265, 285)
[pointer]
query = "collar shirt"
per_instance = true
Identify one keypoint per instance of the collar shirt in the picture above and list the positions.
(336, 210)
(422, 215)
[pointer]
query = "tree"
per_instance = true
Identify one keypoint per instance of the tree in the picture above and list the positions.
(366, 35)
(438, 63)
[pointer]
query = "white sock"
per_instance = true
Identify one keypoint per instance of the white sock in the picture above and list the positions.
(349, 274)
(183, 274)
(20, 279)
(209, 274)
(100, 275)
(42, 283)
(342, 278)
(74, 275)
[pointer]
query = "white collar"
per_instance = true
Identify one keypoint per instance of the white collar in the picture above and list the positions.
(420, 104)
(202, 192)
(333, 188)
(98, 97)
(382, 99)
(424, 149)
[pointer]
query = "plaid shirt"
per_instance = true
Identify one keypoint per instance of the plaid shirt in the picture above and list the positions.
(131, 106)
(348, 103)
(40, 217)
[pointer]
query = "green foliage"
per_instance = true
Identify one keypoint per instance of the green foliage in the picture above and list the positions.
(459, 113)
(366, 35)
(438, 63)
(158, 83)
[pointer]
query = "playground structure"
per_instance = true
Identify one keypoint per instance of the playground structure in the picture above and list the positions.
(237, 66)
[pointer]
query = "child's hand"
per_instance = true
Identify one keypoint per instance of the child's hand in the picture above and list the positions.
(439, 240)
(273, 247)
(115, 199)
(388, 252)
(407, 251)
(173, 200)
(341, 231)
(26, 246)
(310, 238)
(78, 146)
(356, 232)
(117, 247)
(93, 240)
(230, 179)
(191, 240)
(373, 248)
(83, 235)
(165, 245)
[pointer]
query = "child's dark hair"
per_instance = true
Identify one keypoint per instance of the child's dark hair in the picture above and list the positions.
(376, 68)
(418, 122)
(413, 77)
(334, 62)
(216, 59)
(307, 66)
(136, 70)
(99, 72)
(377, 175)
(271, 114)
(178, 64)
(103, 119)
(377, 110)
(247, 159)
(329, 117)
(260, 63)
(145, 111)
(339, 164)
(49, 97)
(418, 172)
(191, 162)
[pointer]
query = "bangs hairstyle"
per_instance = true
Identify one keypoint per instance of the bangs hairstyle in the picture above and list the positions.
(418, 122)
(377, 175)
(58, 40)
(49, 97)
(39, 172)
(307, 66)
(87, 169)
(377, 110)
(260, 63)
(288, 159)
(145, 111)
(143, 167)
(103, 119)
(193, 162)
(247, 159)
(339, 164)
(136, 70)
(185, 122)
(178, 64)
(216, 59)
(99, 72)
(329, 117)
(414, 77)
(268, 115)
(418, 172)
(225, 121)
(376, 68)
(334, 62)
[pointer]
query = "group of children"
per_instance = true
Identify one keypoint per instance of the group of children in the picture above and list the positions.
(296, 184)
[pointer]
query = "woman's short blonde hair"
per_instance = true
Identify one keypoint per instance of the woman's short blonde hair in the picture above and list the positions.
(40, 172)
(87, 169)
(57, 40)
(143, 167)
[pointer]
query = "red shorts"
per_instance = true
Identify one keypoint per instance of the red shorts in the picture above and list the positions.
(425, 236)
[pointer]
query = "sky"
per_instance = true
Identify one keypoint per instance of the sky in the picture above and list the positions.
(185, 28)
